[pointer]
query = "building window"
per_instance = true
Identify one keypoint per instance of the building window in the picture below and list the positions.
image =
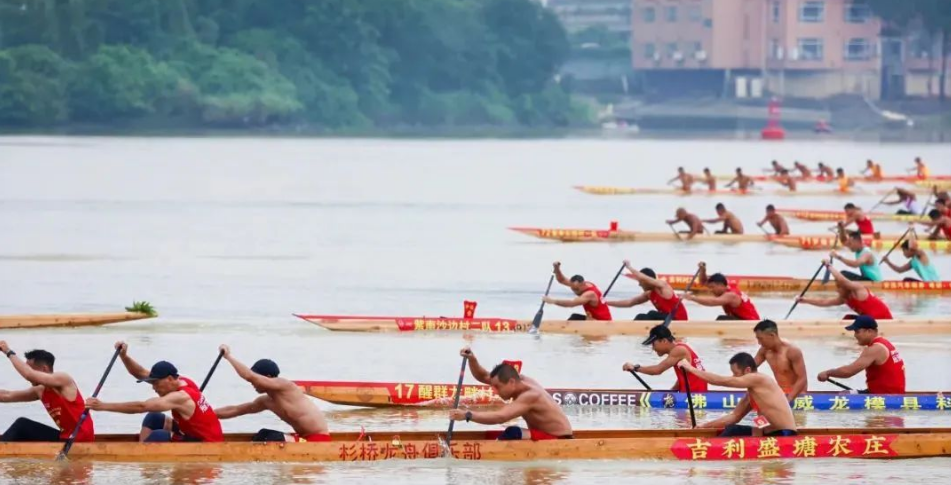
(776, 12)
(671, 14)
(858, 50)
(812, 11)
(671, 49)
(857, 13)
(697, 47)
(649, 15)
(694, 13)
(649, 51)
(774, 49)
(810, 49)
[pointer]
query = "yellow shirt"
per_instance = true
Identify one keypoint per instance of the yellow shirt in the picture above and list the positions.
(844, 184)
(923, 172)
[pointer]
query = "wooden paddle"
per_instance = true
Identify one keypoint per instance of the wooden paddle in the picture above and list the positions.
(537, 321)
(924, 208)
(670, 316)
(638, 377)
(828, 273)
(605, 294)
(897, 243)
(211, 371)
(85, 414)
(839, 384)
(804, 290)
(455, 405)
(890, 192)
(676, 233)
(693, 418)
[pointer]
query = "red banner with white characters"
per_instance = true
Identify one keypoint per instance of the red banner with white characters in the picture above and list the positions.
(474, 324)
(749, 448)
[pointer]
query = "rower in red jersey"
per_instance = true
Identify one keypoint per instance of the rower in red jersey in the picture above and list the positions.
(658, 292)
(883, 366)
(940, 225)
(854, 215)
(736, 304)
(193, 419)
(588, 297)
(662, 341)
(56, 390)
(853, 294)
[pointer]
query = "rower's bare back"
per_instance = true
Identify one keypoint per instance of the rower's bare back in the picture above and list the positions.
(296, 409)
(544, 414)
(772, 403)
(782, 367)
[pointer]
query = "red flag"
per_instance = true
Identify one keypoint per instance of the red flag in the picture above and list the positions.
(469, 308)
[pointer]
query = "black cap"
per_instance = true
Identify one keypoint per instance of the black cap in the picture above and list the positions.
(266, 367)
(160, 370)
(649, 272)
(863, 321)
(718, 278)
(659, 332)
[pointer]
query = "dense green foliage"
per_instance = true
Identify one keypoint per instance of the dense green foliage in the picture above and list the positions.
(326, 63)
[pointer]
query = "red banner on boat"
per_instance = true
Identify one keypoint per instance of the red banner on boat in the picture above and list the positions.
(749, 448)
(475, 324)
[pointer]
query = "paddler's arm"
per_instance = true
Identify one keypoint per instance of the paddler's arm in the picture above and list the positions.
(739, 412)
(586, 297)
(130, 364)
(676, 355)
(841, 279)
(253, 407)
(709, 300)
(822, 302)
(702, 273)
(866, 359)
(630, 302)
(54, 380)
(171, 401)
(642, 278)
(742, 382)
(898, 269)
(263, 383)
(559, 276)
(479, 373)
(798, 363)
(26, 395)
(760, 357)
(510, 411)
(716, 219)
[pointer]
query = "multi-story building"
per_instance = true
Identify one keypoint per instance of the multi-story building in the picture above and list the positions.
(800, 48)
(611, 15)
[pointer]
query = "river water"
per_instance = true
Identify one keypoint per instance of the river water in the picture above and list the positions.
(229, 237)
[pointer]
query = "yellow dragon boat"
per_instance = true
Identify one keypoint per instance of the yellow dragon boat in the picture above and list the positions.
(68, 319)
(605, 190)
(835, 216)
(617, 235)
(825, 243)
(781, 284)
(653, 444)
(820, 328)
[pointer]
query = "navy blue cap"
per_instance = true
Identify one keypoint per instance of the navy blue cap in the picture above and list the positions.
(863, 321)
(160, 370)
(266, 367)
(659, 332)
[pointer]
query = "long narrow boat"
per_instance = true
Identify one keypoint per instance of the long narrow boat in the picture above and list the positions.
(605, 190)
(598, 328)
(655, 444)
(68, 319)
(781, 284)
(868, 180)
(828, 243)
(607, 235)
(941, 184)
(835, 216)
(395, 394)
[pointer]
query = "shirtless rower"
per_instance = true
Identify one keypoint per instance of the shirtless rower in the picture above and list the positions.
(731, 223)
(776, 220)
(529, 401)
(883, 366)
(865, 259)
(743, 182)
(845, 183)
(786, 180)
(784, 358)
(58, 393)
(940, 225)
(709, 179)
(588, 296)
(775, 167)
(825, 172)
(921, 170)
(193, 419)
(853, 294)
(918, 260)
(694, 224)
(855, 215)
(763, 395)
(908, 201)
(658, 292)
(736, 304)
(663, 343)
(280, 396)
(686, 180)
(804, 172)
(874, 170)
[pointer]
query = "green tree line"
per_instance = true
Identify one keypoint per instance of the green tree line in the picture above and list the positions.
(325, 63)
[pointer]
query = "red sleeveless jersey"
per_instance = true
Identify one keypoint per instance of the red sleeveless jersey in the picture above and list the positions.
(696, 384)
(66, 414)
(599, 311)
(889, 377)
(865, 226)
(667, 305)
(872, 307)
(204, 424)
(947, 231)
(745, 311)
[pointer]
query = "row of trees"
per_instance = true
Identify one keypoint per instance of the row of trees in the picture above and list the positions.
(332, 63)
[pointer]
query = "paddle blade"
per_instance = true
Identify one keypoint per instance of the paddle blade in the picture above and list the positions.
(537, 321)
(826, 276)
